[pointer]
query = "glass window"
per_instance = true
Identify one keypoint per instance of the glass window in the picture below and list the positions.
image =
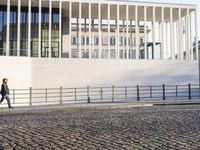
(24, 32)
(34, 32)
(96, 41)
(73, 40)
(141, 41)
(3, 20)
(55, 33)
(87, 40)
(112, 40)
(82, 40)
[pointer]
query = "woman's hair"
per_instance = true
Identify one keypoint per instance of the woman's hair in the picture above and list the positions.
(4, 79)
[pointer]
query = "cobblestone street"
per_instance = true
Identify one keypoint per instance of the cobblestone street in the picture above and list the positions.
(158, 127)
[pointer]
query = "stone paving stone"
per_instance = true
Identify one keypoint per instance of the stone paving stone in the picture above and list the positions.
(150, 128)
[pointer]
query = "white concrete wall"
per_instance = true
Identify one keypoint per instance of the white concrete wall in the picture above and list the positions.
(17, 70)
(24, 72)
(79, 72)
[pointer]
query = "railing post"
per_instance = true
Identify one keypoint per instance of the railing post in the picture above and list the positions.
(46, 95)
(75, 94)
(138, 93)
(163, 92)
(88, 94)
(30, 96)
(126, 92)
(13, 96)
(176, 91)
(151, 95)
(189, 90)
(101, 93)
(61, 95)
(113, 93)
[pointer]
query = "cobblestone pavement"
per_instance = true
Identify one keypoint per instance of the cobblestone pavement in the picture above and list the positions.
(159, 127)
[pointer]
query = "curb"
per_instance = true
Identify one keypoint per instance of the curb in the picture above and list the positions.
(50, 109)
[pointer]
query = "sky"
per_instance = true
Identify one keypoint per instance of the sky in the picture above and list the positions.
(197, 2)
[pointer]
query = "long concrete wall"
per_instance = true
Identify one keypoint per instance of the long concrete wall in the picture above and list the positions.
(76, 73)
(17, 70)
(42, 73)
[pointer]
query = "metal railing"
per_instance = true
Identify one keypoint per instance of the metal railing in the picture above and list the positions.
(46, 96)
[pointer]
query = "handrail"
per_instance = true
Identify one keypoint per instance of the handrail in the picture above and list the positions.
(61, 95)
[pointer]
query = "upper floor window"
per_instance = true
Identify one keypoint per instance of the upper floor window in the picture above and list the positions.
(73, 40)
(87, 40)
(112, 40)
(82, 40)
(141, 41)
(96, 41)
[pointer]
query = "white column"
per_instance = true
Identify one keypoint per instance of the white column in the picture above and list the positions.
(100, 43)
(8, 29)
(154, 28)
(191, 42)
(18, 27)
(93, 40)
(85, 34)
(136, 32)
(178, 39)
(180, 36)
(108, 31)
(29, 28)
(50, 26)
(123, 28)
(40, 28)
(90, 35)
(172, 35)
(145, 33)
(131, 38)
(116, 34)
(127, 33)
(167, 40)
(117, 38)
(196, 33)
(60, 29)
(187, 36)
(70, 29)
(162, 38)
(80, 30)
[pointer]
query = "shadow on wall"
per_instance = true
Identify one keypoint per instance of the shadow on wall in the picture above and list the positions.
(162, 78)
(169, 76)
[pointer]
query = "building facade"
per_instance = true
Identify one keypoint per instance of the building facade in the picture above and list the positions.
(103, 29)
(71, 43)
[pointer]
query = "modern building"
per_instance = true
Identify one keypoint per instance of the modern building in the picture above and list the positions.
(97, 29)
(102, 31)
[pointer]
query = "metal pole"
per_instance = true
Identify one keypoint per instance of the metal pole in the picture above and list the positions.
(164, 92)
(46, 95)
(189, 90)
(88, 94)
(138, 93)
(75, 94)
(13, 96)
(113, 93)
(126, 93)
(30, 94)
(61, 95)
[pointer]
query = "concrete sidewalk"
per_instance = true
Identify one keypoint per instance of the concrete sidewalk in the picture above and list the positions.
(52, 108)
(95, 105)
